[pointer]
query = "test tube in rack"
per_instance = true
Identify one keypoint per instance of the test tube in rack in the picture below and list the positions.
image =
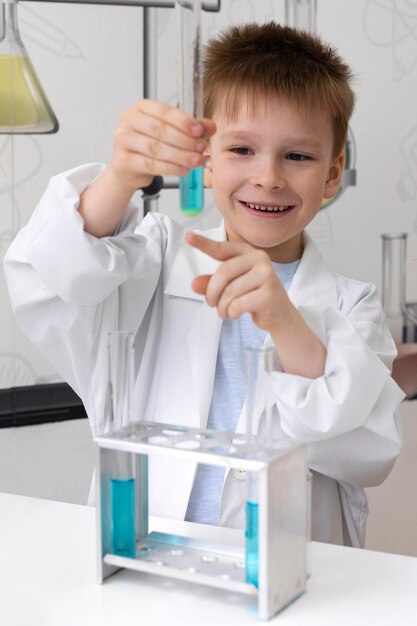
(259, 433)
(122, 480)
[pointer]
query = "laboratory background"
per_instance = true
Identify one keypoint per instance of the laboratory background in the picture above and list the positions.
(89, 60)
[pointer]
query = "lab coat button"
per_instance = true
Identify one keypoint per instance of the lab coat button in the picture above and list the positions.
(240, 474)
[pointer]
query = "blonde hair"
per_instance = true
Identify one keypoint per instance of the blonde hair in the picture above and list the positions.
(258, 60)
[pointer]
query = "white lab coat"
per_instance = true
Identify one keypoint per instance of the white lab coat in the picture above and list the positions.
(69, 290)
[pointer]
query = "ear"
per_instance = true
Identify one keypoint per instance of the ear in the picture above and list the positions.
(208, 171)
(334, 178)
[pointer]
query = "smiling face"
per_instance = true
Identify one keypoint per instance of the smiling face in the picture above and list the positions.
(270, 170)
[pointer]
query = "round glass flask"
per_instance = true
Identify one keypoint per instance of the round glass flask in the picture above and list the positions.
(24, 108)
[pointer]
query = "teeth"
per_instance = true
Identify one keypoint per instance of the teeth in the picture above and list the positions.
(267, 209)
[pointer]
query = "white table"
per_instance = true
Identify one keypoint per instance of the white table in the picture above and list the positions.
(48, 578)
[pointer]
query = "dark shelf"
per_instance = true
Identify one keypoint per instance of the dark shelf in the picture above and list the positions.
(39, 404)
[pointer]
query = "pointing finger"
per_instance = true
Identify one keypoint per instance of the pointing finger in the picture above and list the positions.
(219, 250)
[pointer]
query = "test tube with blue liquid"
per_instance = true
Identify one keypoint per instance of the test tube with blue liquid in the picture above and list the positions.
(122, 479)
(259, 434)
(190, 93)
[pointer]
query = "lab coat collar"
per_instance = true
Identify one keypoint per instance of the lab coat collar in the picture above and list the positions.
(313, 283)
(190, 263)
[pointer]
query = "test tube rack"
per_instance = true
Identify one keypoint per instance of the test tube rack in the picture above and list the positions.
(282, 514)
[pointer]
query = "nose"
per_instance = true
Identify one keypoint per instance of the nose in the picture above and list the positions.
(268, 174)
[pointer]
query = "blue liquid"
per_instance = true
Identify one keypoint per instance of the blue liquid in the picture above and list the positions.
(123, 530)
(252, 548)
(192, 192)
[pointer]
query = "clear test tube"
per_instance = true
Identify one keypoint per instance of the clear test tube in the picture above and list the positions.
(259, 434)
(309, 523)
(122, 479)
(393, 281)
(190, 93)
(301, 14)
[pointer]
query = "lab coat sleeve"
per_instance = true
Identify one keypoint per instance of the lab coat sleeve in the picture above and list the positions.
(348, 415)
(76, 266)
(64, 283)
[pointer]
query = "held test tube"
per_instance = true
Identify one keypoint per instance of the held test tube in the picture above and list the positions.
(190, 93)
(122, 480)
(259, 433)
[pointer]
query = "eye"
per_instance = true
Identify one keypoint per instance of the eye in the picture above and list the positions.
(296, 156)
(240, 150)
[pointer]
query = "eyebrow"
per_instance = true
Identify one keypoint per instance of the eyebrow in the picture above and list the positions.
(294, 141)
(235, 134)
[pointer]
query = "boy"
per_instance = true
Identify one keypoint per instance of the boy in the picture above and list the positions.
(277, 103)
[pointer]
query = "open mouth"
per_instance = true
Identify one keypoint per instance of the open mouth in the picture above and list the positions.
(262, 208)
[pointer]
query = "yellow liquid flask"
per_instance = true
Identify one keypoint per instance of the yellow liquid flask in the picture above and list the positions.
(24, 108)
(190, 93)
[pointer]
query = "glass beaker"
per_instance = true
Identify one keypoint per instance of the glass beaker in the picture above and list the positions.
(24, 108)
(259, 435)
(122, 479)
(190, 93)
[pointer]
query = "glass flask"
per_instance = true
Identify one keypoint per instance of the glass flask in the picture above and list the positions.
(190, 93)
(24, 108)
(401, 315)
(122, 479)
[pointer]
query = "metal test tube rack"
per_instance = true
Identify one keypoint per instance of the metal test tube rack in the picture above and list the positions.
(282, 514)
